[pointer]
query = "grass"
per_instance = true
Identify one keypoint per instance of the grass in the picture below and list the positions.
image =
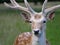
(12, 24)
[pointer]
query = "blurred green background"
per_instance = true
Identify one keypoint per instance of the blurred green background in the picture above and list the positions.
(12, 24)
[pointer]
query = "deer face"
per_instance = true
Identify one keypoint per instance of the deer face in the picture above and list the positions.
(38, 23)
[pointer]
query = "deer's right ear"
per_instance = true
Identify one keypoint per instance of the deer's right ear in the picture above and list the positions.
(25, 16)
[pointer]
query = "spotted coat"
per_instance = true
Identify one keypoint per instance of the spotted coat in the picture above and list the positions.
(25, 39)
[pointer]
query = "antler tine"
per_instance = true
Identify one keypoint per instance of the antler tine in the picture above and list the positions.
(16, 6)
(29, 8)
(44, 6)
(7, 5)
(52, 9)
(14, 3)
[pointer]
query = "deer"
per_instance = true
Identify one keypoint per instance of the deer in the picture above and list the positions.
(37, 20)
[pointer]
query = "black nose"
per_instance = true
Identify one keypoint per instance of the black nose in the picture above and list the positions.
(36, 32)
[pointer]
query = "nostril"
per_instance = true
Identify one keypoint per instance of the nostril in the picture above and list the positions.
(36, 32)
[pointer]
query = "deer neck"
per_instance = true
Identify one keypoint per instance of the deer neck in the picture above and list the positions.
(39, 40)
(42, 39)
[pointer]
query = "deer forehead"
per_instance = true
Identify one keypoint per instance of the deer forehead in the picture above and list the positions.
(37, 18)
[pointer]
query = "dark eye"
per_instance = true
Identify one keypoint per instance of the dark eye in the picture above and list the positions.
(30, 22)
(44, 21)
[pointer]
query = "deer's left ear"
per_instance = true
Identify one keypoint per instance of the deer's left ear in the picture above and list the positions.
(51, 15)
(25, 16)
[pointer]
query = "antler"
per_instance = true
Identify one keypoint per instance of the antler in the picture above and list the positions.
(28, 6)
(48, 10)
(17, 6)
(44, 6)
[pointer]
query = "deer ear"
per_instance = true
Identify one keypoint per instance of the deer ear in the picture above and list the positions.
(25, 16)
(51, 15)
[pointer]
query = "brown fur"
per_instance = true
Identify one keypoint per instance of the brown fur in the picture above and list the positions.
(37, 16)
(23, 39)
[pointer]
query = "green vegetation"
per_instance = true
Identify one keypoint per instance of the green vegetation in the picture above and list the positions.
(12, 24)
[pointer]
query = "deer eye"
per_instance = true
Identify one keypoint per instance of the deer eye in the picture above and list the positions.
(44, 21)
(28, 21)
